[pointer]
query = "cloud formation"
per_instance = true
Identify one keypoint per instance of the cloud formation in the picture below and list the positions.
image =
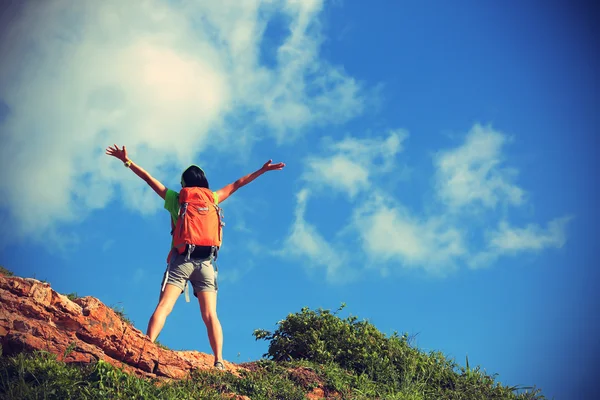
(507, 240)
(169, 79)
(473, 175)
(392, 236)
(350, 165)
(306, 243)
(391, 233)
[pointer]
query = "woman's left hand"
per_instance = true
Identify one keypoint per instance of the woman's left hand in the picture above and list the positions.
(116, 152)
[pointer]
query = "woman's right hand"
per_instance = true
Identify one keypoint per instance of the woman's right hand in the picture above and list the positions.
(268, 166)
(114, 151)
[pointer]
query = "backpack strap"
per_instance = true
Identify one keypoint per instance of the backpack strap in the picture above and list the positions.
(214, 254)
(165, 279)
(186, 290)
(190, 250)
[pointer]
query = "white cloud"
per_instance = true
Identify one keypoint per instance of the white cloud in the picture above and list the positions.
(378, 151)
(532, 237)
(472, 174)
(340, 172)
(392, 236)
(353, 162)
(168, 79)
(306, 243)
(390, 232)
(509, 240)
(232, 276)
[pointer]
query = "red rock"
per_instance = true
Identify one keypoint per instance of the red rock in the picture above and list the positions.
(316, 394)
(35, 317)
(234, 396)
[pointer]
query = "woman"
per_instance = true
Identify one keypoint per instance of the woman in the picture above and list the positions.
(198, 268)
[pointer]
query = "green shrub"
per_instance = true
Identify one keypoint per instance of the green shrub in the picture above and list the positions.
(322, 337)
(5, 272)
(72, 296)
(379, 364)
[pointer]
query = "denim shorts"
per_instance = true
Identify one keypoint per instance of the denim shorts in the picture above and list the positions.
(199, 271)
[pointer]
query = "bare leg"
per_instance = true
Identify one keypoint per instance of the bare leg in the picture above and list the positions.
(167, 300)
(208, 309)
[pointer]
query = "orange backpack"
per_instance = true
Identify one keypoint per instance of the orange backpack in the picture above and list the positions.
(199, 221)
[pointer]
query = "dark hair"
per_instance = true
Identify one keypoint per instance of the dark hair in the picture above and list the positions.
(193, 176)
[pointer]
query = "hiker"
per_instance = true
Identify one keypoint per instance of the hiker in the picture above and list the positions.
(193, 262)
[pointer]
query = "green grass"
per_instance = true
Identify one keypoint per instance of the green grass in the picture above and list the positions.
(41, 376)
(309, 349)
(162, 346)
(120, 311)
(72, 296)
(5, 272)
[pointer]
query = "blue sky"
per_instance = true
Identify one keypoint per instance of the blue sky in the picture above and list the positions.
(439, 180)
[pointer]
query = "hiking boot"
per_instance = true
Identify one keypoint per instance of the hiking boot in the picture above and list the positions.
(219, 365)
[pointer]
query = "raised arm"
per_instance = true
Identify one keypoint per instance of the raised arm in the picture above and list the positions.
(226, 191)
(121, 154)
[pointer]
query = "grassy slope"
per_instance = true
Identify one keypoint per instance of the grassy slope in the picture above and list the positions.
(41, 376)
(342, 358)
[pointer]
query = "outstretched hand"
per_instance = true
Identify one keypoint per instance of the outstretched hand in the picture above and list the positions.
(114, 151)
(272, 167)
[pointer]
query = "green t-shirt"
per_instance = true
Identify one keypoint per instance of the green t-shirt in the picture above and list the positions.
(172, 205)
